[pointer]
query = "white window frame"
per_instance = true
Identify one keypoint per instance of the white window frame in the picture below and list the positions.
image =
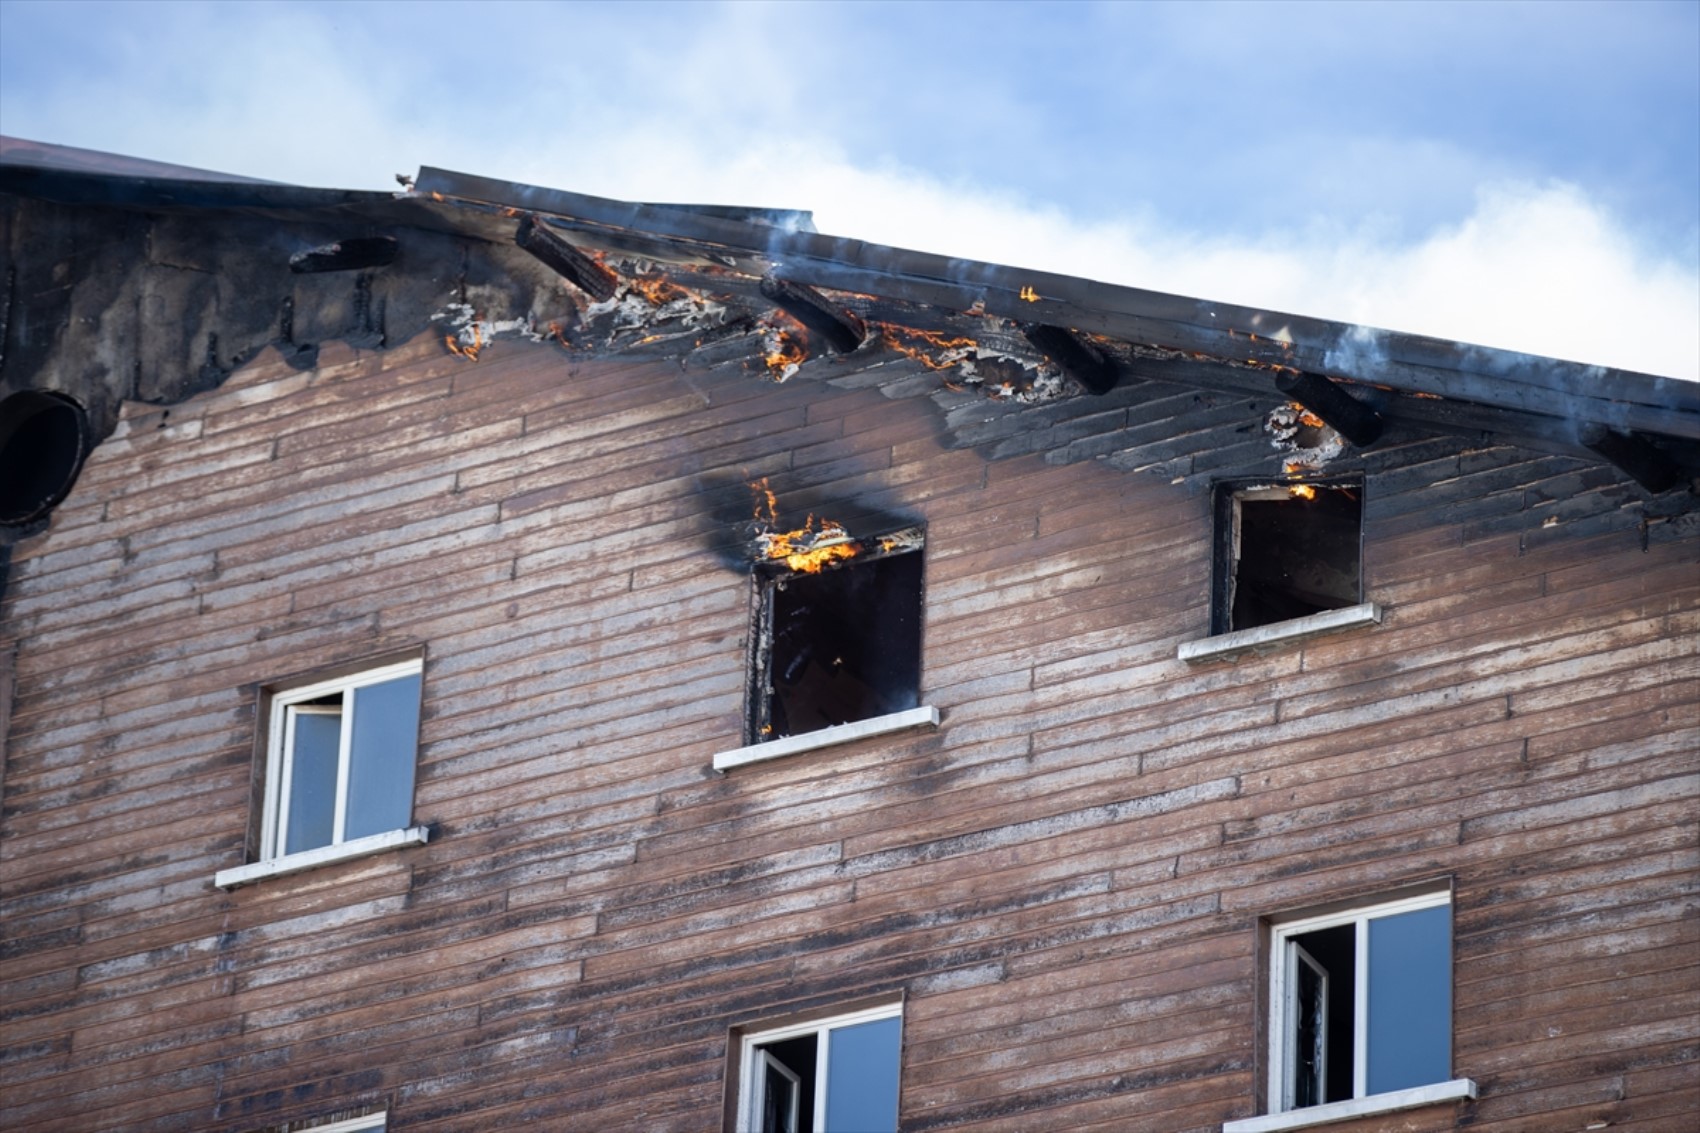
(767, 1062)
(1282, 1023)
(751, 1064)
(371, 1123)
(279, 767)
(279, 741)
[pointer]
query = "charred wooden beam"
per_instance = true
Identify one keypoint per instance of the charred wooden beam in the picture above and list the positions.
(1350, 417)
(356, 254)
(841, 329)
(1079, 359)
(578, 269)
(1635, 455)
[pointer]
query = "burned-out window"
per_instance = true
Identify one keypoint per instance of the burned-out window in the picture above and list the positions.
(838, 631)
(1285, 551)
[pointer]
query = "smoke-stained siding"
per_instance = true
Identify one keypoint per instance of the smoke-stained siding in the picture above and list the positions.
(1064, 880)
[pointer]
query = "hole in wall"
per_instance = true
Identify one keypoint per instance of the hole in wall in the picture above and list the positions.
(44, 438)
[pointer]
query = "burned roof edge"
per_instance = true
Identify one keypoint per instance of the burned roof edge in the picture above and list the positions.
(1410, 363)
(785, 243)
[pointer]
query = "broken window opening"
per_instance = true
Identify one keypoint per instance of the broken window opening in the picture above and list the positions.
(1285, 551)
(840, 642)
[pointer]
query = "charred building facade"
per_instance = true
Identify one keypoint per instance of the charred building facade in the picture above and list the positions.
(485, 656)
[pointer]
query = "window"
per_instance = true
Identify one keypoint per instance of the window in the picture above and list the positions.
(340, 758)
(837, 641)
(1285, 551)
(374, 1122)
(1360, 1013)
(836, 1075)
(839, 638)
(371, 1123)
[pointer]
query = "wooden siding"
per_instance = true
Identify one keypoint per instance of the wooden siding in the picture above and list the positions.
(1065, 881)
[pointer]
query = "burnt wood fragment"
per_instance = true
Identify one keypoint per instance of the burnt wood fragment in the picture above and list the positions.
(578, 269)
(1077, 358)
(841, 329)
(356, 254)
(1635, 455)
(1350, 417)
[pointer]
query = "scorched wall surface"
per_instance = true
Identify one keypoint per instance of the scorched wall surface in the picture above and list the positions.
(1065, 881)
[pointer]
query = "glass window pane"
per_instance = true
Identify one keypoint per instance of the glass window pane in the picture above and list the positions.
(1310, 1030)
(779, 1110)
(380, 776)
(312, 778)
(1410, 999)
(861, 1077)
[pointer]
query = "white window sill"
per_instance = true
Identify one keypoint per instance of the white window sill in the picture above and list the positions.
(923, 717)
(1455, 1090)
(324, 855)
(1228, 646)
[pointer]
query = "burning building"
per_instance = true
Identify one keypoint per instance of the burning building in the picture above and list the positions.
(488, 656)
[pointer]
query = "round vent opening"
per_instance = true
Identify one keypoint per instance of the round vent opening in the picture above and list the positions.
(43, 440)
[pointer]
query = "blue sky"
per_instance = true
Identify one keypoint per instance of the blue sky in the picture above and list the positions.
(1521, 174)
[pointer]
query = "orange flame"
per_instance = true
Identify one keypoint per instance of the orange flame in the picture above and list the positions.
(1301, 492)
(771, 515)
(786, 356)
(907, 342)
(657, 288)
(1028, 295)
(807, 550)
(469, 352)
(1306, 417)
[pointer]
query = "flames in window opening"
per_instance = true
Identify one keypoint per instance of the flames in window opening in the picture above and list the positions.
(808, 549)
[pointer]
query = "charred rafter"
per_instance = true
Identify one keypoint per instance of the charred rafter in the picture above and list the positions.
(356, 254)
(841, 329)
(594, 279)
(1635, 455)
(1077, 358)
(1350, 417)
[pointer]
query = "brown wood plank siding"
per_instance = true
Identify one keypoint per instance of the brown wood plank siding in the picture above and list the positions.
(1064, 881)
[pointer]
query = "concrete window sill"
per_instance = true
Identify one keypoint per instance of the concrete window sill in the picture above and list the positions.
(1392, 1102)
(923, 717)
(324, 855)
(1264, 639)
